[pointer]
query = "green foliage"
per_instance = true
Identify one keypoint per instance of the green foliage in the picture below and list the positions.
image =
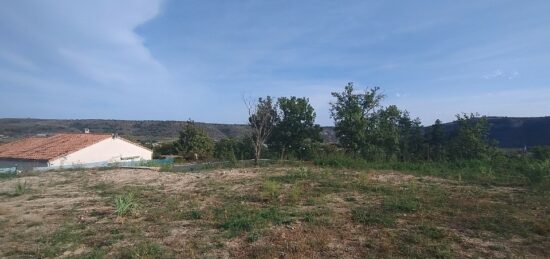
(354, 116)
(193, 143)
(244, 148)
(541, 152)
(125, 204)
(367, 129)
(224, 150)
(296, 131)
(436, 142)
(165, 149)
(471, 139)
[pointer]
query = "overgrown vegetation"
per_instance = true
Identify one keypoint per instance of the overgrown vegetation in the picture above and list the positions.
(373, 136)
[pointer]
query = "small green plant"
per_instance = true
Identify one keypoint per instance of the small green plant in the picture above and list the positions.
(432, 232)
(295, 194)
(239, 218)
(125, 204)
(271, 190)
(144, 249)
(193, 214)
(402, 203)
(372, 216)
(21, 188)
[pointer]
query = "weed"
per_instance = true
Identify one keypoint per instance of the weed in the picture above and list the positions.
(432, 232)
(401, 203)
(253, 236)
(372, 216)
(193, 214)
(271, 190)
(295, 194)
(125, 204)
(144, 249)
(238, 218)
(21, 188)
(65, 237)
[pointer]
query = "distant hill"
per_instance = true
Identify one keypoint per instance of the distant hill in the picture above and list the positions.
(517, 132)
(508, 131)
(144, 131)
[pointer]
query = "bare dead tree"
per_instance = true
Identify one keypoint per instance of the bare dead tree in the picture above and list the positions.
(262, 118)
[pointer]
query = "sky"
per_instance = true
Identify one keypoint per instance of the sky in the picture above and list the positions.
(179, 60)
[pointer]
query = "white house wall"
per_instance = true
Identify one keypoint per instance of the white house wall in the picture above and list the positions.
(108, 150)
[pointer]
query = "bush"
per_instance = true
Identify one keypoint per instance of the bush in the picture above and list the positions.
(225, 150)
(541, 153)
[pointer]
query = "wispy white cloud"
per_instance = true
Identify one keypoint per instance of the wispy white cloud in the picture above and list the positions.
(501, 74)
(94, 39)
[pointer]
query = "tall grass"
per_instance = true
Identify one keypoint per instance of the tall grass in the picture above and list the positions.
(125, 204)
(497, 171)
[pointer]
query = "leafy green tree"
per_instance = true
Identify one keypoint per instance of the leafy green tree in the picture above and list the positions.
(244, 148)
(387, 130)
(194, 143)
(296, 130)
(354, 116)
(417, 147)
(471, 140)
(224, 149)
(164, 149)
(436, 141)
(262, 119)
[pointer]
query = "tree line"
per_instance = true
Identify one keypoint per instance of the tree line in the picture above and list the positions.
(285, 128)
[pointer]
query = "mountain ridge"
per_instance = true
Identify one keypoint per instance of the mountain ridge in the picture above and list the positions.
(509, 132)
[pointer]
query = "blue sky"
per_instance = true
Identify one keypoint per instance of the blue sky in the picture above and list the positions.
(175, 60)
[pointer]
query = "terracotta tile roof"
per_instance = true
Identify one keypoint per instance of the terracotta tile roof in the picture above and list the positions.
(47, 148)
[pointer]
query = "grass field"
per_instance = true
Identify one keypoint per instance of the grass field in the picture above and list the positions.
(269, 212)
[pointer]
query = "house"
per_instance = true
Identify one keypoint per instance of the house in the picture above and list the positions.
(70, 150)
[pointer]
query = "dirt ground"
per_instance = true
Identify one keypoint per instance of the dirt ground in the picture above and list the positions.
(72, 214)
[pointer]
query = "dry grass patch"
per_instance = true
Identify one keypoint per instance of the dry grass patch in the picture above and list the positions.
(268, 212)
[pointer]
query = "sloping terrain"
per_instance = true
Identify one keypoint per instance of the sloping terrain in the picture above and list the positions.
(267, 213)
(507, 131)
